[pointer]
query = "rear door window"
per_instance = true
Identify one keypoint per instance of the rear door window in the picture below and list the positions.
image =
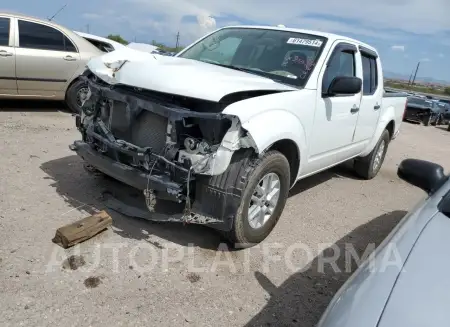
(370, 74)
(4, 31)
(43, 37)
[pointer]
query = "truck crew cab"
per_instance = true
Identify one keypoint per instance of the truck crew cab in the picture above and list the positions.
(233, 121)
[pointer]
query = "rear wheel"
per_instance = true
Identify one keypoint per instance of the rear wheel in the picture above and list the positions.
(76, 95)
(368, 167)
(426, 120)
(263, 200)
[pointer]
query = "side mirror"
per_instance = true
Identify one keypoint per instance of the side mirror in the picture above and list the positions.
(345, 85)
(426, 175)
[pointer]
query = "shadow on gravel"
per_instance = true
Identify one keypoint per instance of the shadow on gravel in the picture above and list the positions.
(344, 170)
(444, 128)
(83, 190)
(303, 297)
(33, 106)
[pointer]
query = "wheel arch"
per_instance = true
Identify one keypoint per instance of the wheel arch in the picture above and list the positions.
(390, 127)
(290, 150)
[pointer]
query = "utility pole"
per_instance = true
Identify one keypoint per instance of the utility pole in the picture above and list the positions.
(415, 74)
(178, 40)
(60, 9)
(410, 77)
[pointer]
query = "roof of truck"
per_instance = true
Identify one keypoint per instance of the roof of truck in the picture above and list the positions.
(329, 36)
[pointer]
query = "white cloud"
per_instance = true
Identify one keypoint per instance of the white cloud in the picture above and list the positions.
(92, 16)
(206, 22)
(420, 16)
(441, 55)
(412, 16)
(398, 48)
(425, 60)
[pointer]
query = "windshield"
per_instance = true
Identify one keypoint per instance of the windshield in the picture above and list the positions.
(283, 56)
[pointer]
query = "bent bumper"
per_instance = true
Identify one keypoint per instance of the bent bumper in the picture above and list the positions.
(161, 184)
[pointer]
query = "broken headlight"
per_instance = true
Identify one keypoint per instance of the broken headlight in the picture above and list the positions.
(194, 146)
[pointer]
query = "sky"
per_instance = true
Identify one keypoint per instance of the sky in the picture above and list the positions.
(404, 31)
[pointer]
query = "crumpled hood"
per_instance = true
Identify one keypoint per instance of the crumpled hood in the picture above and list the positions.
(179, 76)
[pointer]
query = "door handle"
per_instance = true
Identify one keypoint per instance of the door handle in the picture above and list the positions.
(4, 53)
(69, 58)
(355, 109)
(376, 107)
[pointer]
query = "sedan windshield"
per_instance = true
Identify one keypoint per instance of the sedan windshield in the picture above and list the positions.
(286, 57)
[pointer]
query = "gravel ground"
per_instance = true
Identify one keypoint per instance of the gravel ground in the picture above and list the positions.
(143, 273)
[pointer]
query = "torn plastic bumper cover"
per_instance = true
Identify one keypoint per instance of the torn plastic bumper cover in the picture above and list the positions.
(209, 182)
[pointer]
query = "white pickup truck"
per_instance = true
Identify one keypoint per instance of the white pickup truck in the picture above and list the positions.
(231, 123)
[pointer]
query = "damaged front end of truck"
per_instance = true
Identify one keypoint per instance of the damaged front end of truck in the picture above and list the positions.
(168, 146)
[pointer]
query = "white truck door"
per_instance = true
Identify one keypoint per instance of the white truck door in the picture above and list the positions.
(370, 108)
(336, 116)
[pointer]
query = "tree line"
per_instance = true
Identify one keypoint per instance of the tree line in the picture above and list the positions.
(120, 39)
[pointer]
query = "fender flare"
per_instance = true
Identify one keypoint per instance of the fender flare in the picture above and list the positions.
(387, 117)
(272, 126)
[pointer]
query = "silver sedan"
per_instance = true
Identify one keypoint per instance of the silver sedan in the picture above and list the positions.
(405, 282)
(42, 60)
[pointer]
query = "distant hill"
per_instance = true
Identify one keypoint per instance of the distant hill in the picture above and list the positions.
(393, 75)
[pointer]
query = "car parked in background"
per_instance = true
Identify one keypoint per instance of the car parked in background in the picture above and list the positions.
(441, 113)
(419, 109)
(102, 43)
(404, 282)
(42, 60)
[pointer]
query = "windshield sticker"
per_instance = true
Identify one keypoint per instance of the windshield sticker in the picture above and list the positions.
(312, 43)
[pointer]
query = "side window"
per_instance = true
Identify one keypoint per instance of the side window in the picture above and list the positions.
(4, 31)
(374, 74)
(222, 52)
(69, 46)
(42, 37)
(370, 74)
(367, 79)
(342, 63)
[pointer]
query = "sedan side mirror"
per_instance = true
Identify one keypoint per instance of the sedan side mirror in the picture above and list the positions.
(424, 174)
(347, 85)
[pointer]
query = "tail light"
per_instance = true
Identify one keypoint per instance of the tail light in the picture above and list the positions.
(404, 110)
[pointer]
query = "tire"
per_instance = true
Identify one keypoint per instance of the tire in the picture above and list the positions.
(365, 166)
(426, 120)
(243, 234)
(448, 127)
(438, 121)
(72, 96)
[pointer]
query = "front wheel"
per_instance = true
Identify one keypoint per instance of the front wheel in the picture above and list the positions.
(76, 95)
(263, 200)
(369, 166)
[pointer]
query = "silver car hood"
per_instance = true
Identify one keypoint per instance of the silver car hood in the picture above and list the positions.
(382, 295)
(421, 295)
(179, 76)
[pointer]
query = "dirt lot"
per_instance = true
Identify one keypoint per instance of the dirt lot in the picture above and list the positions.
(140, 273)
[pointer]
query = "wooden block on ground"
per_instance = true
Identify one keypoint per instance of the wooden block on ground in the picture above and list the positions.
(82, 230)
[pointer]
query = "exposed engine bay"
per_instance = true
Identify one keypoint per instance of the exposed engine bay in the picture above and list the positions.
(170, 147)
